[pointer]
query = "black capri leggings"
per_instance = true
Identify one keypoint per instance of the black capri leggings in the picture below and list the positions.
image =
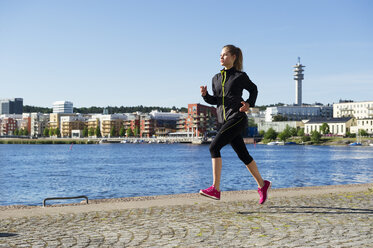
(231, 132)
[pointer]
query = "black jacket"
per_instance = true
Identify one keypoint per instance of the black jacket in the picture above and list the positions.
(227, 87)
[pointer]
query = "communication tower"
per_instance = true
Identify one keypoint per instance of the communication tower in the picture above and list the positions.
(298, 77)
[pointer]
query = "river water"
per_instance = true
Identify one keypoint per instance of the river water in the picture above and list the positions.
(31, 173)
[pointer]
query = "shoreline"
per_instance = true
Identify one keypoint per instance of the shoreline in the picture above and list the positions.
(87, 141)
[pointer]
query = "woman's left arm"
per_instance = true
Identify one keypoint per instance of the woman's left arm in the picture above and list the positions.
(248, 85)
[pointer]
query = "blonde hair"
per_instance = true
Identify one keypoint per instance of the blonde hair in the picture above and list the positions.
(238, 53)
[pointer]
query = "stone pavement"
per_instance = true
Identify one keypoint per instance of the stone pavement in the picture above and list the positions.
(329, 216)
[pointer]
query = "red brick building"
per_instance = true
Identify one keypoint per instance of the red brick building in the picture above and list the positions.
(8, 126)
(201, 119)
(146, 127)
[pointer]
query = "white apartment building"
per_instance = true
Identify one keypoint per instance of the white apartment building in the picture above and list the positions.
(359, 110)
(64, 107)
(39, 122)
(156, 115)
(298, 113)
(337, 126)
(278, 126)
(363, 124)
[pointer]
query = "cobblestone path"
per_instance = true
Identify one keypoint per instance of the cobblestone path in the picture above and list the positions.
(329, 220)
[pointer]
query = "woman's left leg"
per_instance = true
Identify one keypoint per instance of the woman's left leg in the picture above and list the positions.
(239, 147)
(263, 185)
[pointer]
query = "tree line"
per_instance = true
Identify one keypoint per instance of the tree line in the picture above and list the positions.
(121, 109)
(89, 132)
(314, 137)
(110, 109)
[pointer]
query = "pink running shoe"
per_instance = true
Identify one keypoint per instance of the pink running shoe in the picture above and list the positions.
(263, 192)
(210, 192)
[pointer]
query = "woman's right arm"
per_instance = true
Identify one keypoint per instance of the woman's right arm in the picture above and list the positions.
(207, 97)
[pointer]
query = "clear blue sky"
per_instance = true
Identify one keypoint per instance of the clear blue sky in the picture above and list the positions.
(158, 53)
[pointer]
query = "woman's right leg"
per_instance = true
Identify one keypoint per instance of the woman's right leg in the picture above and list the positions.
(255, 173)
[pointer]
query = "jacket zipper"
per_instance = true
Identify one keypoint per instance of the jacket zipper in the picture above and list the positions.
(224, 76)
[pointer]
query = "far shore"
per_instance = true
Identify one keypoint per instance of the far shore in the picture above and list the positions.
(49, 141)
(335, 141)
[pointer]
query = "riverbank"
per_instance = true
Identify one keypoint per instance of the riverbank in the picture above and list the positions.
(327, 141)
(335, 216)
(48, 141)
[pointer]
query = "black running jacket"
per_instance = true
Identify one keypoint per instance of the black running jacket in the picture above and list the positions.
(227, 87)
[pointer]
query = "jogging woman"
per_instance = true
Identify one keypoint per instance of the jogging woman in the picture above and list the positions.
(227, 87)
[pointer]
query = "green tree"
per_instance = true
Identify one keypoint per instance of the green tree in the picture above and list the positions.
(129, 132)
(57, 132)
(24, 132)
(98, 132)
(136, 133)
(122, 132)
(262, 133)
(279, 118)
(306, 138)
(91, 131)
(300, 132)
(284, 135)
(46, 132)
(16, 132)
(315, 136)
(363, 133)
(350, 135)
(293, 132)
(112, 132)
(287, 130)
(85, 132)
(270, 134)
(51, 132)
(324, 129)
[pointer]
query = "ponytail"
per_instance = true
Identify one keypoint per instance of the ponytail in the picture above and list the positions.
(238, 53)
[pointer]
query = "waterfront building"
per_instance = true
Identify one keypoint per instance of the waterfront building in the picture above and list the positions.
(337, 126)
(11, 106)
(201, 120)
(279, 126)
(63, 107)
(70, 123)
(38, 123)
(133, 122)
(55, 120)
(8, 124)
(93, 122)
(363, 124)
(116, 121)
(298, 113)
(358, 110)
(113, 121)
(25, 122)
(146, 126)
(159, 123)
